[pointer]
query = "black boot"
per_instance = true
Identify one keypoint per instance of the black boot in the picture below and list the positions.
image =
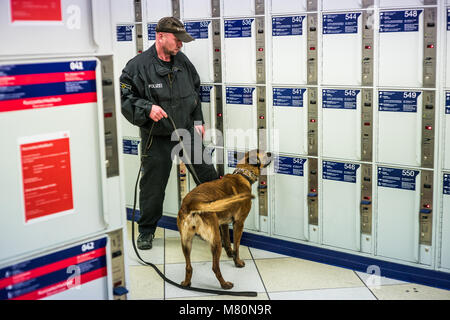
(144, 241)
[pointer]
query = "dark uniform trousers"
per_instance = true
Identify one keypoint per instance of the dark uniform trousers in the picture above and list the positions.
(157, 163)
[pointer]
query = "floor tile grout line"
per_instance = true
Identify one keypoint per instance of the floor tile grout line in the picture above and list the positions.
(371, 292)
(259, 274)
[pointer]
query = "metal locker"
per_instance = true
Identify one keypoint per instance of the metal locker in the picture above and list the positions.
(289, 49)
(240, 118)
(401, 48)
(253, 219)
(405, 3)
(446, 135)
(398, 206)
(281, 6)
(447, 51)
(341, 123)
(171, 199)
(290, 189)
(206, 92)
(341, 193)
(445, 232)
(131, 162)
(122, 11)
(240, 50)
(290, 118)
(341, 46)
(156, 9)
(195, 9)
(239, 8)
(400, 127)
(151, 35)
(201, 51)
(346, 4)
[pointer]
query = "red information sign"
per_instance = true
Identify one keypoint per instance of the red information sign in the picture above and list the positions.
(47, 179)
(36, 10)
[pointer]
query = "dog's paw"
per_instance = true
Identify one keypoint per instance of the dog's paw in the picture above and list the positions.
(239, 263)
(186, 284)
(230, 253)
(227, 285)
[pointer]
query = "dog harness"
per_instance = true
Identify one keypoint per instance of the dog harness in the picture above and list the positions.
(247, 174)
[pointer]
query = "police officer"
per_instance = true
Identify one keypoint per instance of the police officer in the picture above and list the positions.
(159, 89)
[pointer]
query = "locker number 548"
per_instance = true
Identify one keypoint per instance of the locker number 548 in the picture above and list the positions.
(410, 13)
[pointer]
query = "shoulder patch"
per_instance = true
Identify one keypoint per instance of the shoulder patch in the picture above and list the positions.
(125, 86)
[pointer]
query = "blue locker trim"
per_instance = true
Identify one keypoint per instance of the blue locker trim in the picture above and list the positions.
(391, 270)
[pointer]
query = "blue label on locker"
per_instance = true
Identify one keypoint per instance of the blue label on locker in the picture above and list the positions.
(198, 30)
(289, 166)
(340, 171)
(205, 93)
(234, 157)
(151, 31)
(398, 101)
(339, 99)
(340, 23)
(240, 95)
(446, 184)
(124, 33)
(397, 178)
(399, 21)
(287, 26)
(130, 146)
(448, 19)
(447, 102)
(241, 28)
(288, 97)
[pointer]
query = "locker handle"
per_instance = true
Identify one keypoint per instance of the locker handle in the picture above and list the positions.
(312, 194)
(428, 211)
(366, 202)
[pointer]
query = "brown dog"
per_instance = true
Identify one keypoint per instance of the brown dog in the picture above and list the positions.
(210, 207)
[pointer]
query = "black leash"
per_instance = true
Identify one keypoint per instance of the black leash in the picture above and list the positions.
(219, 292)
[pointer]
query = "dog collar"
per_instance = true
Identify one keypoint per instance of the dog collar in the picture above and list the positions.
(247, 174)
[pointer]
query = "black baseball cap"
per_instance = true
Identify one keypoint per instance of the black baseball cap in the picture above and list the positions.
(175, 26)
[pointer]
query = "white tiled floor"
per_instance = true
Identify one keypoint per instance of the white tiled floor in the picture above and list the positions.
(272, 276)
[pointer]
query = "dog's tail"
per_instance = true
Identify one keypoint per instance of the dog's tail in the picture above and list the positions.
(222, 204)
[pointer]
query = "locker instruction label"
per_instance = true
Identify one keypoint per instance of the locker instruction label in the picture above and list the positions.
(240, 95)
(288, 165)
(124, 33)
(288, 97)
(54, 272)
(448, 19)
(198, 29)
(130, 146)
(205, 93)
(339, 171)
(340, 23)
(339, 99)
(404, 179)
(151, 31)
(400, 21)
(287, 26)
(398, 101)
(447, 102)
(234, 157)
(446, 184)
(240, 28)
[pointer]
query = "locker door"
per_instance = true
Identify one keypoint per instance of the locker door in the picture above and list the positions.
(341, 193)
(290, 190)
(252, 221)
(341, 114)
(206, 92)
(398, 202)
(445, 241)
(238, 8)
(341, 4)
(171, 199)
(131, 164)
(289, 49)
(280, 6)
(447, 34)
(400, 127)
(156, 9)
(200, 51)
(122, 11)
(195, 9)
(445, 144)
(401, 48)
(240, 51)
(151, 35)
(290, 118)
(401, 3)
(241, 121)
(342, 38)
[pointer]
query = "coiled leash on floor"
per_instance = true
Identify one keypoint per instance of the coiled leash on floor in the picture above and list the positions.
(219, 292)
